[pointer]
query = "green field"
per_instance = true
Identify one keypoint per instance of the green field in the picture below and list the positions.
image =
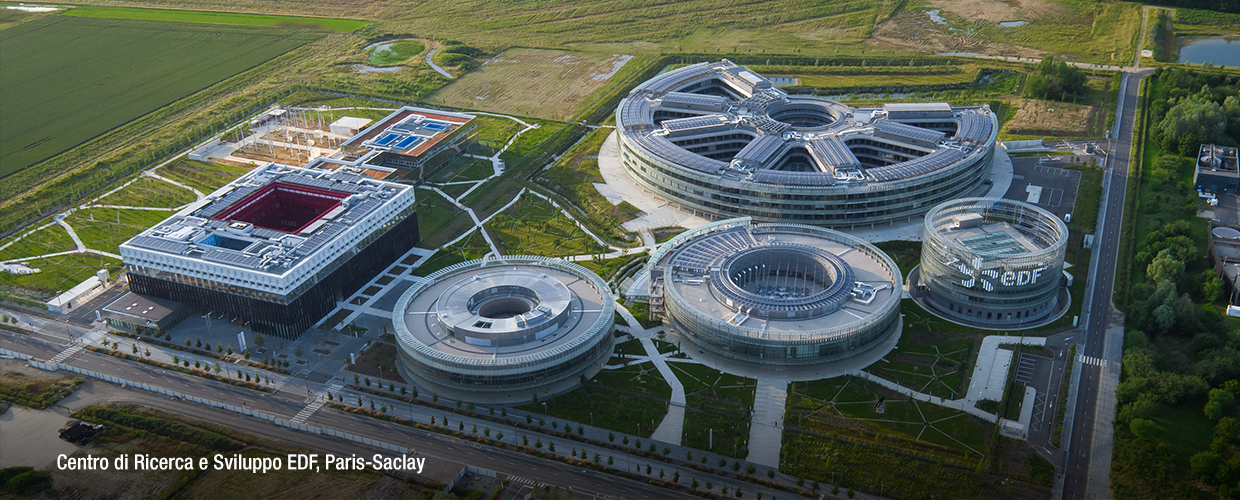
(104, 229)
(148, 192)
(203, 176)
(68, 79)
(51, 239)
(60, 273)
(231, 18)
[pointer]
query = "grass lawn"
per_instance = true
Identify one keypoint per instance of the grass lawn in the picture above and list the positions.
(615, 398)
(148, 192)
(231, 18)
(203, 176)
(532, 226)
(573, 178)
(434, 213)
(396, 52)
(907, 254)
(51, 239)
(719, 403)
(99, 228)
(60, 273)
(65, 91)
(470, 248)
(553, 82)
(494, 132)
(464, 168)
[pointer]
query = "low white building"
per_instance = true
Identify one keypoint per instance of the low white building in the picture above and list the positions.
(76, 296)
(348, 126)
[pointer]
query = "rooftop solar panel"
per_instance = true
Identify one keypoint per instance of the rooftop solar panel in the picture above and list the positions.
(896, 130)
(761, 149)
(408, 141)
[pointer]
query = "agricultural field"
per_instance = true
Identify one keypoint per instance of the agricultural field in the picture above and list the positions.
(230, 18)
(69, 79)
(540, 83)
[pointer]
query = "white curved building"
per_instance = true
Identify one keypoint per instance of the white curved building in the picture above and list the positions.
(776, 294)
(994, 262)
(720, 140)
(503, 330)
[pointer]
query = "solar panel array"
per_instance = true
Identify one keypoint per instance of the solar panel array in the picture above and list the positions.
(700, 255)
(762, 149)
(695, 123)
(231, 257)
(974, 126)
(221, 204)
(675, 79)
(685, 99)
(635, 113)
(794, 178)
(320, 238)
(917, 166)
(659, 145)
(832, 153)
(900, 130)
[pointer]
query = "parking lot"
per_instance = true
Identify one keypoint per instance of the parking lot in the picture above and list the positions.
(1044, 183)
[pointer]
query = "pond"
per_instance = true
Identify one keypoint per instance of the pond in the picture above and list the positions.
(1220, 51)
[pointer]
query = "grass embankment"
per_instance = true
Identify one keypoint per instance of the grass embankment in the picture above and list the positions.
(203, 176)
(37, 391)
(572, 178)
(395, 52)
(230, 18)
(868, 438)
(148, 192)
(105, 229)
(533, 226)
(131, 429)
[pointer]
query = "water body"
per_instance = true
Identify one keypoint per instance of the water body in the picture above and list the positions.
(936, 18)
(362, 68)
(1013, 24)
(1217, 50)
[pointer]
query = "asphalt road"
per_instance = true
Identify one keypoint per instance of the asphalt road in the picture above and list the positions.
(1079, 454)
(291, 399)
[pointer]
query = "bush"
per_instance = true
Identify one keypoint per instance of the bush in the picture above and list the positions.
(23, 482)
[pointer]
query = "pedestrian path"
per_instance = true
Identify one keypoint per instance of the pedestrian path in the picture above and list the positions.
(317, 401)
(672, 427)
(92, 337)
(767, 427)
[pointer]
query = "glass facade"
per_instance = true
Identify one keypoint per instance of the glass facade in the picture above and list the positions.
(287, 316)
(586, 348)
(993, 262)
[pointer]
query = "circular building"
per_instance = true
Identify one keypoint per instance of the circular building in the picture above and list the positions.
(776, 294)
(993, 262)
(721, 141)
(504, 330)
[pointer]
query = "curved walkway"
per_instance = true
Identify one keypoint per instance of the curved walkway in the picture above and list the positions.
(430, 59)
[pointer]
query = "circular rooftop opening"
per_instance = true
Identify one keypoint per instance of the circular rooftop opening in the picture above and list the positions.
(804, 114)
(785, 281)
(502, 302)
(781, 274)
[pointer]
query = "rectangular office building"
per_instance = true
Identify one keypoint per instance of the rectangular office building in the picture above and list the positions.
(278, 246)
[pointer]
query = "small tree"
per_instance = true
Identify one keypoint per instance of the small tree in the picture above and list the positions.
(356, 379)
(694, 483)
(219, 347)
(434, 397)
(689, 456)
(147, 353)
(228, 350)
(486, 431)
(581, 430)
(625, 440)
(550, 446)
(667, 450)
(736, 465)
(474, 429)
(770, 473)
(367, 381)
(188, 342)
(176, 360)
(258, 339)
(500, 435)
(198, 344)
(597, 457)
(403, 390)
(611, 437)
(751, 469)
(676, 477)
(538, 443)
(723, 462)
